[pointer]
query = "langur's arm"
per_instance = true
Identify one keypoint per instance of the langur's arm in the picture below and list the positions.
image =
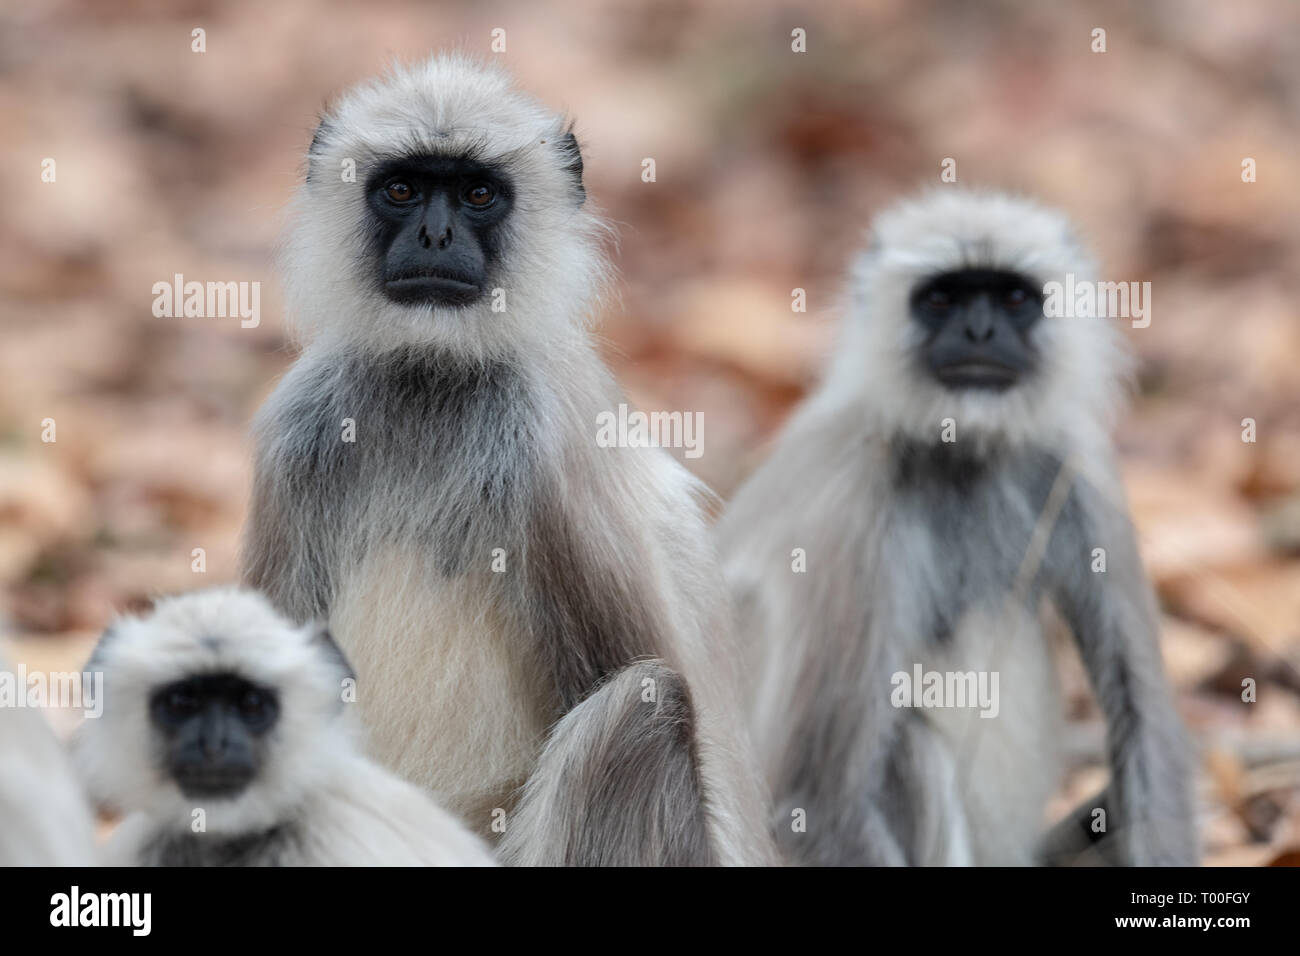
(289, 505)
(1113, 616)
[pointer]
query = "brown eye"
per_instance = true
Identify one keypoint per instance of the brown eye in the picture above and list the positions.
(1017, 297)
(480, 194)
(936, 299)
(399, 191)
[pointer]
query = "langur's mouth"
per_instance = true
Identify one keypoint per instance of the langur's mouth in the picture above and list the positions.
(213, 783)
(433, 287)
(977, 373)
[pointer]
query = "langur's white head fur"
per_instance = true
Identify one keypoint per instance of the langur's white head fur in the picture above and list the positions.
(217, 632)
(1070, 398)
(550, 268)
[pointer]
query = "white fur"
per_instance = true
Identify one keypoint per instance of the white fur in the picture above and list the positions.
(443, 687)
(44, 817)
(347, 808)
(1001, 805)
(443, 105)
(1071, 404)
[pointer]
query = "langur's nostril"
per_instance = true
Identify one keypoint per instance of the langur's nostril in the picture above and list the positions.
(423, 238)
(445, 239)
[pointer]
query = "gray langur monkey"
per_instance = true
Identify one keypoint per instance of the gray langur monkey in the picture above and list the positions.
(428, 480)
(936, 507)
(44, 817)
(224, 739)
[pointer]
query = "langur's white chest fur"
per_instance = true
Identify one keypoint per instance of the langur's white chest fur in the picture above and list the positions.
(1016, 725)
(445, 694)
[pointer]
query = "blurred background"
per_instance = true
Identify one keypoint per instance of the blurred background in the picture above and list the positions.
(770, 164)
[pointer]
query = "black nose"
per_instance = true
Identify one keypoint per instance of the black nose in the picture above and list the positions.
(213, 733)
(979, 325)
(425, 240)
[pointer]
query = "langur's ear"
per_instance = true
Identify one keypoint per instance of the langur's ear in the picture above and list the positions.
(324, 641)
(318, 138)
(572, 158)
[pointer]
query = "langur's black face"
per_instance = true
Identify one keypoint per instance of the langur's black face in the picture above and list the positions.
(437, 228)
(977, 324)
(213, 730)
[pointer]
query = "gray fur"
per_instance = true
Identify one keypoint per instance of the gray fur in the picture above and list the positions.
(471, 420)
(966, 556)
(457, 441)
(617, 769)
(277, 846)
(475, 438)
(1113, 617)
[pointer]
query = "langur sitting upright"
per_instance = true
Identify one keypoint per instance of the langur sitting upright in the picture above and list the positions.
(428, 480)
(941, 507)
(224, 738)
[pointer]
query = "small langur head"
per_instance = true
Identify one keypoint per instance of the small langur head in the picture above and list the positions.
(213, 701)
(948, 323)
(442, 207)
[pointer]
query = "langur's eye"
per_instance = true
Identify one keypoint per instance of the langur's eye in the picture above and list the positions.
(1017, 297)
(399, 191)
(180, 703)
(480, 195)
(252, 705)
(937, 299)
